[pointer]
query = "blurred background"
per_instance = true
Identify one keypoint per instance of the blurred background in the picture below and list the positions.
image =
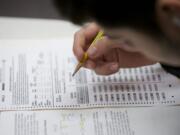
(28, 8)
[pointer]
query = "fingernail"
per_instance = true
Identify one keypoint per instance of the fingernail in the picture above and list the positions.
(114, 67)
(92, 51)
(89, 65)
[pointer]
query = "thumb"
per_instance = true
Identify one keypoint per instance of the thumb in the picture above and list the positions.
(99, 48)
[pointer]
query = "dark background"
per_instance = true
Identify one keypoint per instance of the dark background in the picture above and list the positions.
(29, 8)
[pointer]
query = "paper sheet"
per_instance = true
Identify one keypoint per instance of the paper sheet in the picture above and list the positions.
(37, 74)
(112, 121)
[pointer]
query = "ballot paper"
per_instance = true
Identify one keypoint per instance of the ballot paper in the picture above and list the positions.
(37, 74)
(112, 121)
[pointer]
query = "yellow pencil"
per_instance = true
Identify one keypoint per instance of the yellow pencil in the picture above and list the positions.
(85, 56)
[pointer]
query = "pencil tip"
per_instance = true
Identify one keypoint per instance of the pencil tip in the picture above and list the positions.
(74, 73)
(76, 69)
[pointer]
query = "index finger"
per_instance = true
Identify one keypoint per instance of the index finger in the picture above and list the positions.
(83, 39)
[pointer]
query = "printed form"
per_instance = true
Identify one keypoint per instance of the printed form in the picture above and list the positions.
(37, 74)
(112, 121)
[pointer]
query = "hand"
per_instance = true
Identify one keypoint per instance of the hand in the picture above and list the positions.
(105, 56)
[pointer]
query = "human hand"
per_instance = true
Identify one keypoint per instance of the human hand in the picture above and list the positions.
(106, 56)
